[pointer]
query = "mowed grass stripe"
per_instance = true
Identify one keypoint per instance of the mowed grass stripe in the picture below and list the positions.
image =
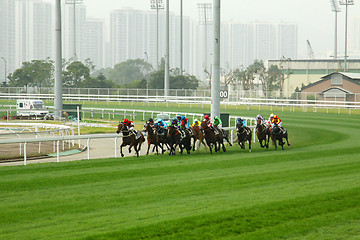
(166, 196)
(282, 218)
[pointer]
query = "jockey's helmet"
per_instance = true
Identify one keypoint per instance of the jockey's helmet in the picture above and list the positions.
(275, 116)
(182, 117)
(271, 115)
(151, 120)
(239, 119)
(159, 120)
(126, 120)
(206, 117)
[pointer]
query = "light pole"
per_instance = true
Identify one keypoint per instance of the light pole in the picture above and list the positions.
(157, 4)
(335, 9)
(147, 76)
(346, 3)
(167, 58)
(5, 69)
(181, 37)
(215, 82)
(74, 2)
(58, 103)
(205, 18)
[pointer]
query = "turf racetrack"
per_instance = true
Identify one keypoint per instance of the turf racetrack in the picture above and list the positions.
(310, 190)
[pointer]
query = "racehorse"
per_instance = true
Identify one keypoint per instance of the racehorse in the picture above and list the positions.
(198, 135)
(263, 133)
(185, 141)
(152, 138)
(174, 139)
(163, 138)
(243, 134)
(224, 134)
(130, 138)
(278, 135)
(211, 138)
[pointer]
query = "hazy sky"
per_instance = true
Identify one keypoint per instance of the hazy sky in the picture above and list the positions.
(314, 17)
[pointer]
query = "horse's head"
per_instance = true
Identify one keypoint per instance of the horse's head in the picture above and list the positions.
(120, 127)
(258, 122)
(147, 127)
(203, 125)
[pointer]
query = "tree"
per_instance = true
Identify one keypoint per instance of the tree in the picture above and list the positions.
(75, 74)
(99, 82)
(130, 70)
(37, 73)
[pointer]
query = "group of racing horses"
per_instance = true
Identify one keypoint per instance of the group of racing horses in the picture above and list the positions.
(172, 137)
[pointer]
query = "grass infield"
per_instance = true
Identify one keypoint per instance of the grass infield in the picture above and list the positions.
(310, 190)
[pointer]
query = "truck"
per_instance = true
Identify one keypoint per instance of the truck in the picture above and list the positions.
(27, 107)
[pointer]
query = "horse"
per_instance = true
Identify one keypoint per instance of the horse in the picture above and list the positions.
(152, 138)
(243, 134)
(278, 135)
(163, 138)
(224, 134)
(129, 138)
(174, 138)
(263, 133)
(211, 138)
(185, 141)
(198, 135)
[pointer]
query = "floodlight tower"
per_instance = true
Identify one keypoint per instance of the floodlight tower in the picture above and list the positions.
(205, 18)
(335, 9)
(158, 5)
(346, 3)
(74, 3)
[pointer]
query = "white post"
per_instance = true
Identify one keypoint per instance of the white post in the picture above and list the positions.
(88, 149)
(167, 60)
(25, 153)
(58, 151)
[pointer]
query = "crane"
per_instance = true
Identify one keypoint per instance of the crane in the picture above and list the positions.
(310, 50)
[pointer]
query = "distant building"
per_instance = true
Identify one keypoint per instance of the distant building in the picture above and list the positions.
(94, 42)
(304, 72)
(7, 37)
(336, 86)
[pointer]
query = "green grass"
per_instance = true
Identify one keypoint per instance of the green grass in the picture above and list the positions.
(311, 190)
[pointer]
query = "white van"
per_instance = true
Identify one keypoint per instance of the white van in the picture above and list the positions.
(28, 107)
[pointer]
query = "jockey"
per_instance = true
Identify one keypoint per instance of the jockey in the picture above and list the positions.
(178, 117)
(161, 125)
(207, 120)
(129, 124)
(196, 123)
(270, 119)
(217, 122)
(276, 121)
(151, 122)
(184, 122)
(261, 118)
(242, 122)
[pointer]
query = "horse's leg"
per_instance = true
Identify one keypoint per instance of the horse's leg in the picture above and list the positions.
(121, 146)
(147, 152)
(249, 140)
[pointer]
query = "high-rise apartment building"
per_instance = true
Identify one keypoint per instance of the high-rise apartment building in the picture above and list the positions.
(94, 42)
(33, 24)
(287, 40)
(354, 37)
(133, 35)
(7, 37)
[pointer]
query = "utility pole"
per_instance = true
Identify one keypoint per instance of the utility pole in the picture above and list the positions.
(58, 104)
(346, 3)
(335, 9)
(215, 83)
